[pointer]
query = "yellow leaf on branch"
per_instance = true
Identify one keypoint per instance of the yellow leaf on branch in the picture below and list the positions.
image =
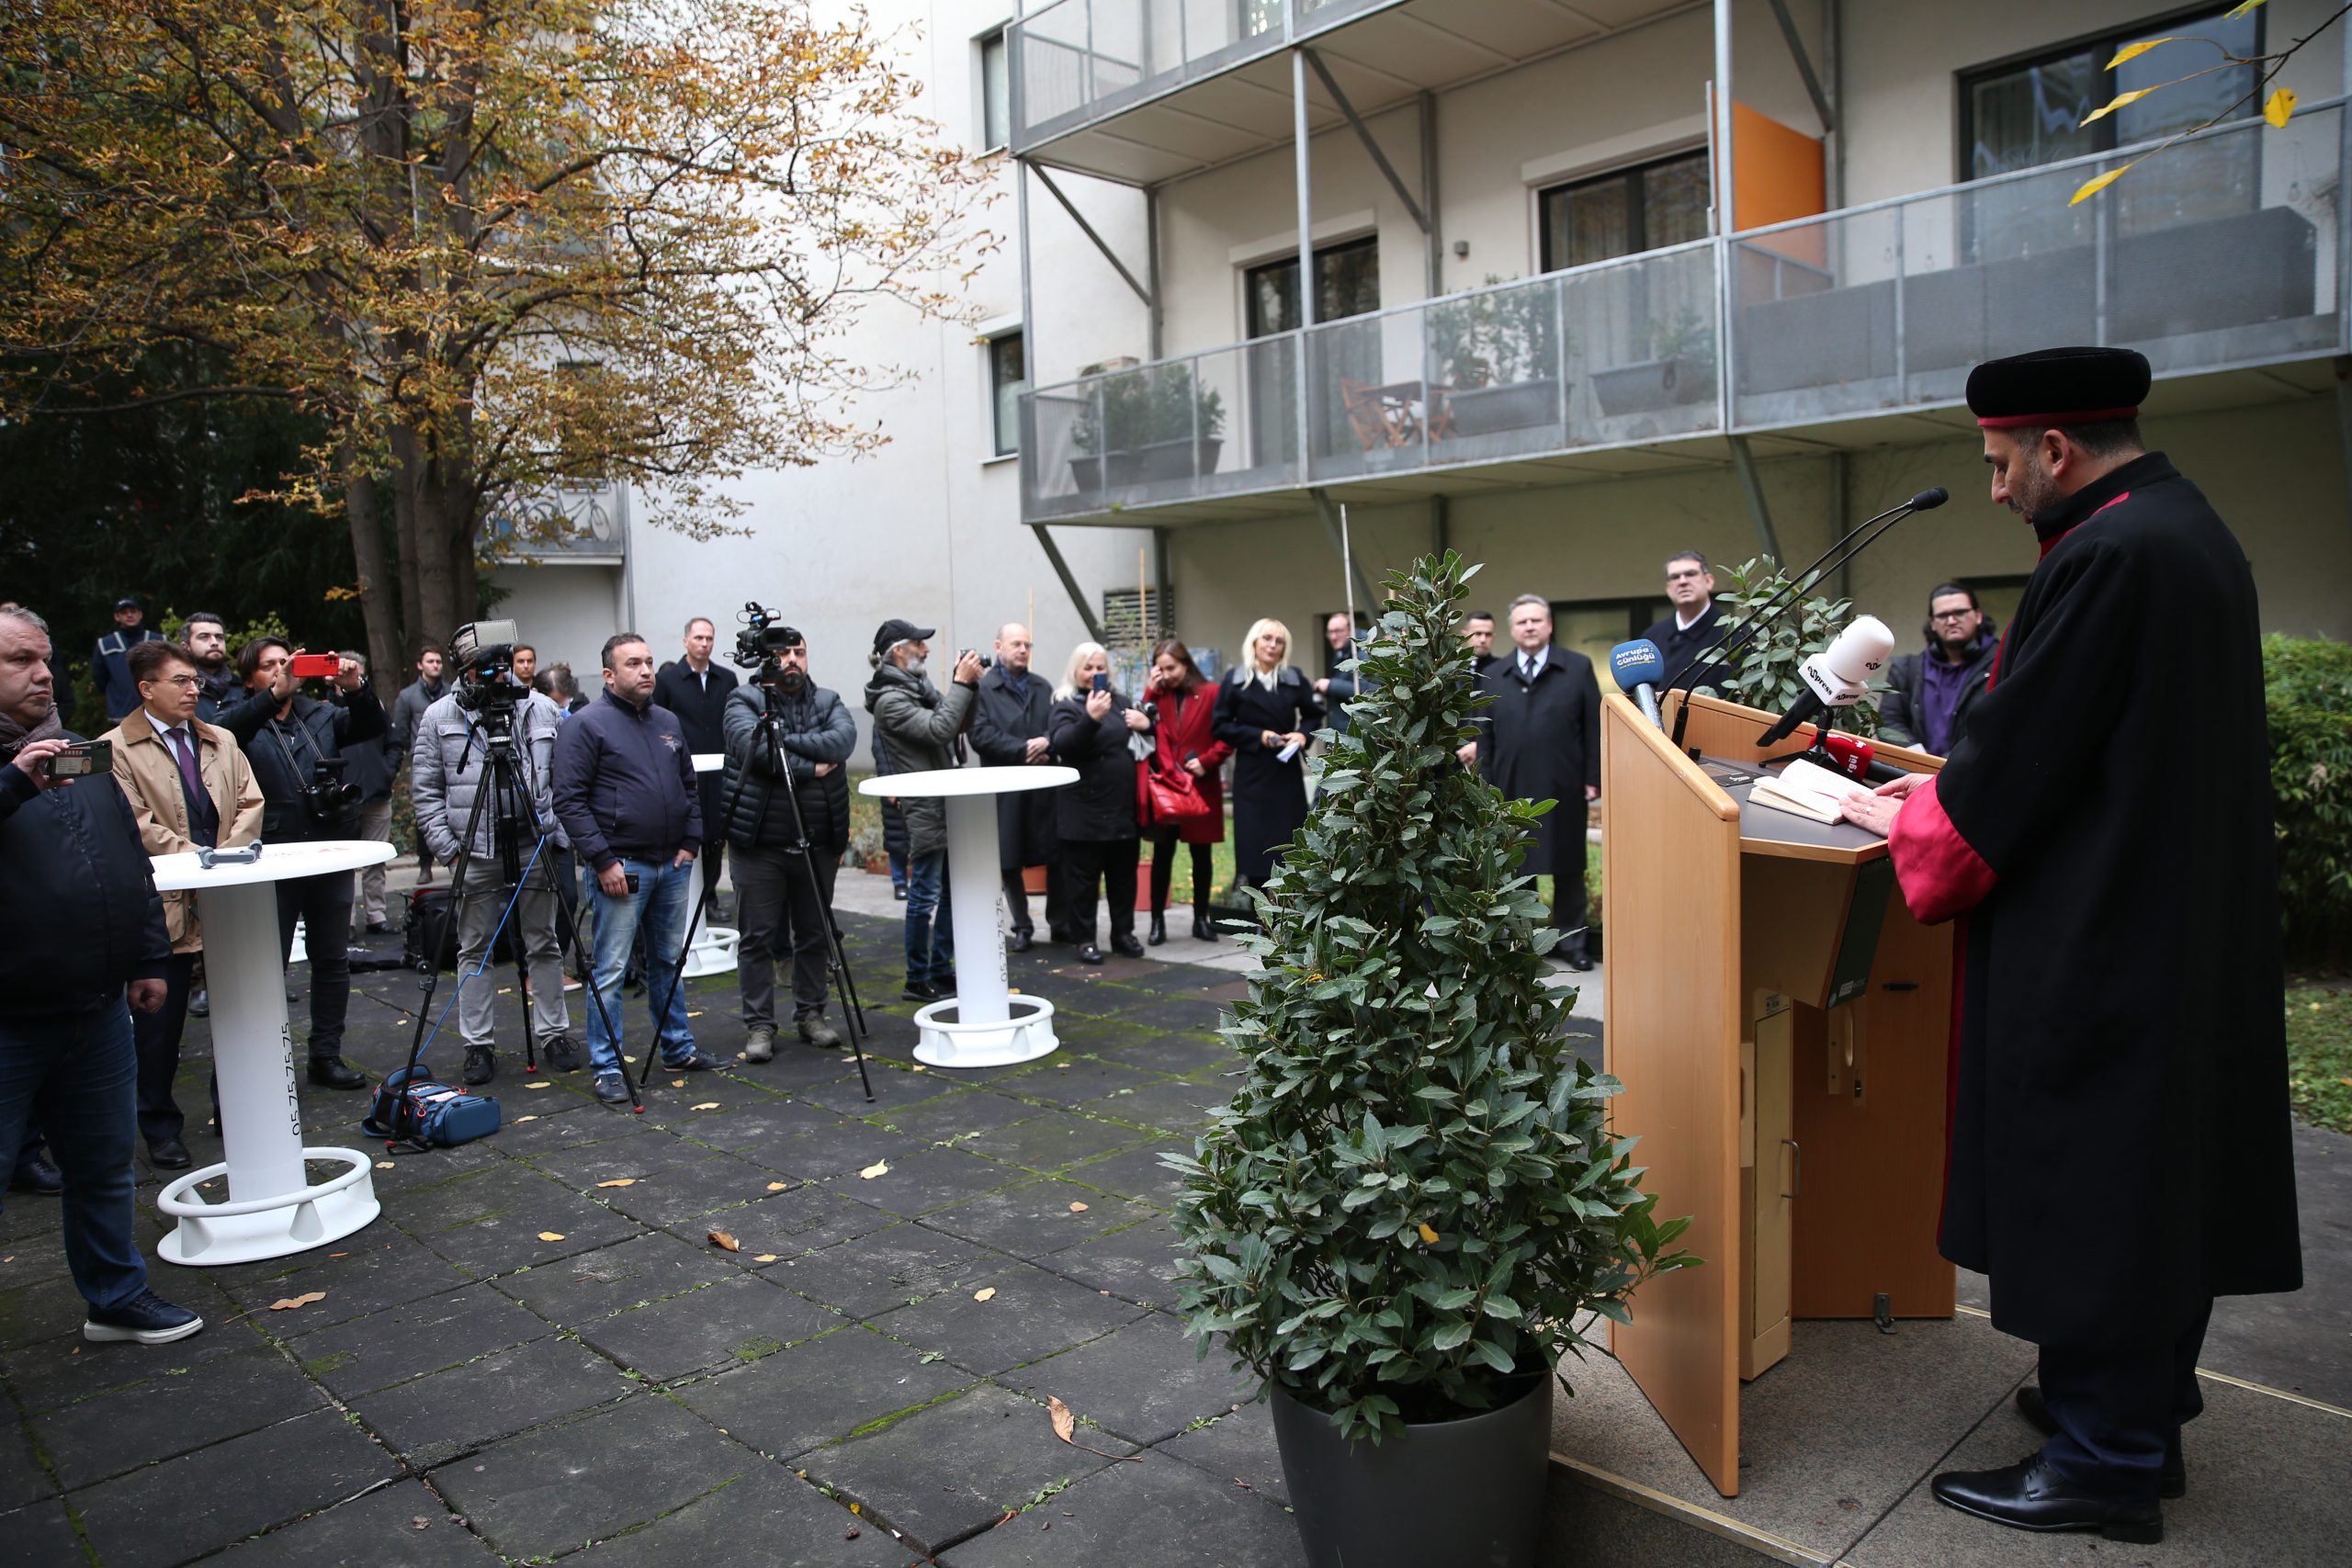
(2120, 100)
(2092, 187)
(2134, 50)
(2279, 107)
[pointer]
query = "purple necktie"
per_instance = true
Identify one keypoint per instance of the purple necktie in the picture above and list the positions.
(186, 758)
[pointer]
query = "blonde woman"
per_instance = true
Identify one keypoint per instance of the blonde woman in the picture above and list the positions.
(1095, 818)
(1265, 710)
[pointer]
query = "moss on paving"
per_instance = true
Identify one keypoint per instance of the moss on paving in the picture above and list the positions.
(2319, 1055)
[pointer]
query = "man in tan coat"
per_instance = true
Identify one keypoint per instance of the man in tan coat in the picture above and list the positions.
(188, 784)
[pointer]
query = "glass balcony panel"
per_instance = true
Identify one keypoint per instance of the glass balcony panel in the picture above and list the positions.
(1206, 425)
(1317, 15)
(1494, 366)
(1640, 338)
(1078, 60)
(571, 522)
(1367, 409)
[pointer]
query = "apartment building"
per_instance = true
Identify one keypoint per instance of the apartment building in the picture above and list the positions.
(1593, 280)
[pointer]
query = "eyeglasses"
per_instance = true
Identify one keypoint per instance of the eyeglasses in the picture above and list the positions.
(1951, 614)
(183, 682)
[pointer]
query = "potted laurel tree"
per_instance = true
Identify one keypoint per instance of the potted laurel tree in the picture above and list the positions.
(1405, 1216)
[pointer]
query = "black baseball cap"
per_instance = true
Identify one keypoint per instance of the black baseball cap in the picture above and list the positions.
(128, 603)
(892, 633)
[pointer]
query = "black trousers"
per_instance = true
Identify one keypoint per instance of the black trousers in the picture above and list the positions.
(2120, 1409)
(156, 1037)
(1163, 869)
(714, 842)
(1112, 866)
(1570, 906)
(783, 903)
(1016, 900)
(323, 905)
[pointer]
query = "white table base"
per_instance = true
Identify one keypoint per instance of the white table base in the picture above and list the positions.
(1024, 1037)
(210, 1235)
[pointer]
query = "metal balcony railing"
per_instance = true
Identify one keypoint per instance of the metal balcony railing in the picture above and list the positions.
(566, 523)
(2229, 250)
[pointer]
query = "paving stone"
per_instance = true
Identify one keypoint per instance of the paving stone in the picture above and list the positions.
(1035, 1219)
(22, 1478)
(560, 1488)
(1182, 1055)
(39, 1536)
(788, 1522)
(1032, 1314)
(927, 1178)
(493, 1222)
(640, 1152)
(404, 1342)
(589, 1285)
(553, 1129)
(1190, 1015)
(1138, 1263)
(679, 1192)
(377, 1267)
(368, 1532)
(170, 1513)
(40, 1309)
(1106, 1038)
(435, 1417)
(59, 1372)
(1144, 1382)
(821, 1391)
(801, 1220)
(877, 1273)
(1054, 1140)
(762, 1126)
(411, 1170)
(1137, 1173)
(1069, 1078)
(1180, 1105)
(181, 1407)
(1183, 980)
(894, 1089)
(739, 1319)
(1238, 1449)
(950, 1471)
(1153, 1514)
(953, 1118)
(676, 1110)
(836, 1150)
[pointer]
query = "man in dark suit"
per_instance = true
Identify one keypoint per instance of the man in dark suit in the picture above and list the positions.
(1540, 740)
(1009, 730)
(1692, 629)
(696, 689)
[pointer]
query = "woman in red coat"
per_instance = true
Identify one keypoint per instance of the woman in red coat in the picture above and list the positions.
(1183, 745)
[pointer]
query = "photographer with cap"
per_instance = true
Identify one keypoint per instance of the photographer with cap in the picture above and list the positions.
(86, 937)
(923, 729)
(110, 666)
(295, 744)
(784, 897)
(448, 769)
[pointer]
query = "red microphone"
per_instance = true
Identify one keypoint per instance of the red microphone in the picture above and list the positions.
(1849, 754)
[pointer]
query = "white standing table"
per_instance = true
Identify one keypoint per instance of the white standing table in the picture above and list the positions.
(272, 1209)
(990, 1027)
(713, 950)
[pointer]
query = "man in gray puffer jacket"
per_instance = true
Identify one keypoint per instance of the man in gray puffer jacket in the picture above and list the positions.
(923, 728)
(448, 769)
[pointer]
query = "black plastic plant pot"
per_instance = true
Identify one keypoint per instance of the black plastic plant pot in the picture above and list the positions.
(1465, 1493)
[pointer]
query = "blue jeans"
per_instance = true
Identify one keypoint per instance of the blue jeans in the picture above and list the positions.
(75, 1075)
(931, 943)
(664, 897)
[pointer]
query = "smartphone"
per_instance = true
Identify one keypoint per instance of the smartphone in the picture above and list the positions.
(630, 877)
(312, 666)
(84, 761)
(1101, 680)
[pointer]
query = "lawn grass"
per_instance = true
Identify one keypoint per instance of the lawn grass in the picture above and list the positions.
(2319, 1055)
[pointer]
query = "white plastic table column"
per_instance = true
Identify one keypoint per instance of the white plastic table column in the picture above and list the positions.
(991, 1026)
(272, 1210)
(714, 948)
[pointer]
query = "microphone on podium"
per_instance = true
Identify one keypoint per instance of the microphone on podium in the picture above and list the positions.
(1838, 675)
(1637, 667)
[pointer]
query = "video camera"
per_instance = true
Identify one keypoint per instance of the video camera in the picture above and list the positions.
(763, 637)
(481, 653)
(329, 797)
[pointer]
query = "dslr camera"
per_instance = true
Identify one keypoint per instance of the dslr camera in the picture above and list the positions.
(763, 637)
(482, 654)
(329, 797)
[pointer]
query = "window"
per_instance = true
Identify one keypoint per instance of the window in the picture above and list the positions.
(996, 92)
(1347, 283)
(1625, 212)
(1008, 378)
(1593, 627)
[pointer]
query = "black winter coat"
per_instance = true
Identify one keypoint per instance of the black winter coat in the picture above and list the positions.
(1899, 706)
(1002, 725)
(1269, 797)
(1679, 648)
(812, 728)
(701, 705)
(77, 898)
(1542, 741)
(1100, 808)
(285, 756)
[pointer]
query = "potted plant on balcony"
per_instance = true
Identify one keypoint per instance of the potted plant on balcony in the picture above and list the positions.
(1406, 1215)
(1147, 425)
(1498, 355)
(1681, 368)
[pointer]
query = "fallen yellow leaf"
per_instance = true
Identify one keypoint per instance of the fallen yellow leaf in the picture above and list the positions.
(852, 1508)
(1429, 1235)
(383, 1165)
(290, 1303)
(1064, 1421)
(619, 1182)
(1077, 1207)
(550, 1236)
(879, 1167)
(777, 1186)
(729, 1242)
(705, 1105)
(764, 1258)
(520, 1120)
(677, 1083)
(543, 1083)
(984, 1294)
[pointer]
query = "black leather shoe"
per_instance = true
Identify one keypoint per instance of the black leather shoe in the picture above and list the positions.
(169, 1154)
(334, 1071)
(1159, 928)
(38, 1176)
(1581, 962)
(2031, 1496)
(1202, 930)
(1020, 942)
(1124, 942)
(920, 991)
(1089, 954)
(2172, 1481)
(379, 928)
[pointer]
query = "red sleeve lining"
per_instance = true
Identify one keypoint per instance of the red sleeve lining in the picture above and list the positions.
(1941, 875)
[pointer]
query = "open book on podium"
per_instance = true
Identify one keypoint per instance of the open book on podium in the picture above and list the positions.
(1781, 1026)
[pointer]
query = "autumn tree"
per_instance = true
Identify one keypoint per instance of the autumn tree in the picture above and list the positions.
(492, 248)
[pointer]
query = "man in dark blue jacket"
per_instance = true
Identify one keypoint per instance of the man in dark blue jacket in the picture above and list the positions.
(108, 664)
(86, 937)
(624, 793)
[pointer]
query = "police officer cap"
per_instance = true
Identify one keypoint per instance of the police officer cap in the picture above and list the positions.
(891, 633)
(2058, 386)
(126, 603)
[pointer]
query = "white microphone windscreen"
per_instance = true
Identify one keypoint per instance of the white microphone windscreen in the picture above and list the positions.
(1860, 651)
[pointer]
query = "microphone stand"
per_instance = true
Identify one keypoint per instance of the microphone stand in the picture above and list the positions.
(1739, 636)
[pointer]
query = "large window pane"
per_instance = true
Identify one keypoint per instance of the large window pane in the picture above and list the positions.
(996, 92)
(1625, 213)
(1008, 378)
(1674, 203)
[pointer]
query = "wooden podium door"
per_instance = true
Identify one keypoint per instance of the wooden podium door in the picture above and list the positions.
(1670, 890)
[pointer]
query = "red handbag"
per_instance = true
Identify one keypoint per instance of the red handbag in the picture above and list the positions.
(1172, 796)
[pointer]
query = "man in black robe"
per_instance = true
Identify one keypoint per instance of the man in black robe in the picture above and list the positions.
(1008, 731)
(2120, 1135)
(1540, 740)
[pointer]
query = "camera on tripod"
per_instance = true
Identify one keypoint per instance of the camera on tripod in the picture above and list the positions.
(763, 637)
(482, 653)
(329, 797)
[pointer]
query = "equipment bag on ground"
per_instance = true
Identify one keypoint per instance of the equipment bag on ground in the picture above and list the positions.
(414, 1108)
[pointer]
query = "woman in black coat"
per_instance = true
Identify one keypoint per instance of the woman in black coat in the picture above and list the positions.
(1265, 708)
(1095, 818)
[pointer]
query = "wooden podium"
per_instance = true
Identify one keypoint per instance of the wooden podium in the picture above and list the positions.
(1781, 1028)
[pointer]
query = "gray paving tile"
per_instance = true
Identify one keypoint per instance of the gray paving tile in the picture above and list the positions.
(1139, 1262)
(1137, 1173)
(403, 1524)
(375, 1268)
(179, 1409)
(1144, 1382)
(1178, 1105)
(709, 1185)
(760, 1126)
(1070, 1076)
(1053, 1140)
(59, 1372)
(1031, 1314)
(954, 1118)
(404, 1342)
(837, 1150)
(589, 1285)
(821, 1391)
(800, 1220)
(879, 1273)
(1238, 1448)
(497, 1221)
(927, 1178)
(434, 1418)
(22, 1478)
(768, 1516)
(1153, 1514)
(895, 1090)
(740, 1319)
(39, 1536)
(1037, 1217)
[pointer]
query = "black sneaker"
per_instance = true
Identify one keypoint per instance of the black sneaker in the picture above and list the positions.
(611, 1089)
(482, 1063)
(147, 1319)
(201, 1004)
(560, 1054)
(696, 1061)
(38, 1176)
(920, 991)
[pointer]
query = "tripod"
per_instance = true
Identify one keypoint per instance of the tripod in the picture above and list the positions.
(836, 954)
(507, 794)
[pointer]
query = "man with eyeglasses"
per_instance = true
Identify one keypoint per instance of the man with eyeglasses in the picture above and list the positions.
(1928, 692)
(188, 783)
(1691, 629)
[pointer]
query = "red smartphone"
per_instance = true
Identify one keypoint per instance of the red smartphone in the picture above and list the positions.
(313, 666)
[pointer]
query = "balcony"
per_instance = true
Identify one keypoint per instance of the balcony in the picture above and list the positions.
(2225, 254)
(582, 526)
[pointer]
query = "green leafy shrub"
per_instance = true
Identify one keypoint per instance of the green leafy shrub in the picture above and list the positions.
(1414, 1196)
(1766, 670)
(2307, 686)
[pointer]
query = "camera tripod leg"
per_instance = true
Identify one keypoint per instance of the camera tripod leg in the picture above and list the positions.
(677, 976)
